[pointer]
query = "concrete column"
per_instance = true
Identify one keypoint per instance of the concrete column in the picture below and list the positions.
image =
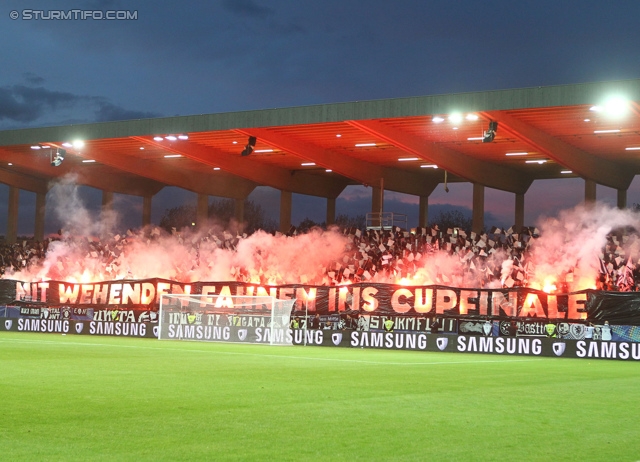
(202, 210)
(146, 210)
(423, 211)
(238, 210)
(41, 202)
(478, 208)
(589, 191)
(519, 212)
(331, 211)
(285, 211)
(377, 197)
(12, 219)
(107, 200)
(622, 198)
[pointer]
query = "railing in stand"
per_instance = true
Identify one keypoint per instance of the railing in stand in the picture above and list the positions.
(386, 220)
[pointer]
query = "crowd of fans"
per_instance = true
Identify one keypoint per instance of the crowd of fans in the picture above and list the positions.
(427, 255)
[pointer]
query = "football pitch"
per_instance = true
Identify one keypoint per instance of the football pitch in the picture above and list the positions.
(105, 398)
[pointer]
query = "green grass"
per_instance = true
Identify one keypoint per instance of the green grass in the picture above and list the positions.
(101, 398)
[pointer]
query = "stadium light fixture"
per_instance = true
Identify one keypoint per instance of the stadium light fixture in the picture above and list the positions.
(566, 172)
(170, 156)
(67, 145)
(248, 149)
(158, 138)
(471, 117)
(635, 148)
(263, 150)
(614, 106)
(183, 137)
(170, 137)
(538, 161)
(308, 164)
(216, 168)
(615, 130)
(490, 134)
(437, 119)
(475, 138)
(36, 147)
(77, 144)
(328, 170)
(407, 159)
(517, 154)
(429, 166)
(88, 161)
(455, 118)
(57, 160)
(364, 145)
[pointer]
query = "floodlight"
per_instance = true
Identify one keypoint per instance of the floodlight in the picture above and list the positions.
(248, 149)
(56, 160)
(490, 134)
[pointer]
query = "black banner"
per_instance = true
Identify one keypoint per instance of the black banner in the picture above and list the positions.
(503, 346)
(73, 327)
(366, 299)
(418, 341)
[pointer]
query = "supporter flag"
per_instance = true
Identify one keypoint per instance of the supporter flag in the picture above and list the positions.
(603, 267)
(625, 280)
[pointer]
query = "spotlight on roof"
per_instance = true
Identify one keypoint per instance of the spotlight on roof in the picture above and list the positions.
(248, 149)
(183, 137)
(490, 134)
(78, 144)
(56, 160)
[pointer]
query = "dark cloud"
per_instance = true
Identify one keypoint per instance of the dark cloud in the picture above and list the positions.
(247, 8)
(19, 103)
(32, 78)
(107, 112)
(26, 104)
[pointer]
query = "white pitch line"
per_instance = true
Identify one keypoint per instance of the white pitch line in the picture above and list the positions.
(306, 358)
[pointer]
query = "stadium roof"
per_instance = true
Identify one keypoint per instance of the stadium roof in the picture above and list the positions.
(591, 130)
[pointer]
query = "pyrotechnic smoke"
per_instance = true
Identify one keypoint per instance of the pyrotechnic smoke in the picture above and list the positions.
(572, 243)
(70, 209)
(566, 256)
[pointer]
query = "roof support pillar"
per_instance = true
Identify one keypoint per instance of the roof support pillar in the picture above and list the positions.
(519, 215)
(331, 211)
(107, 201)
(377, 205)
(477, 223)
(238, 210)
(589, 191)
(622, 198)
(202, 210)
(12, 219)
(146, 210)
(285, 211)
(423, 212)
(41, 202)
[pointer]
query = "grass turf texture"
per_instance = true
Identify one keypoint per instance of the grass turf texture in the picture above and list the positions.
(102, 398)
